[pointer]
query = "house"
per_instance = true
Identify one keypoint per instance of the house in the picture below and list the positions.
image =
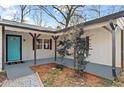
(21, 42)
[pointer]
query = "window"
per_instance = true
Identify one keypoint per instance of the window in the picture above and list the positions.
(48, 44)
(43, 44)
(39, 44)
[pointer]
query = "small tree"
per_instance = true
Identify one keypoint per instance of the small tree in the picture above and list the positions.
(81, 52)
(80, 48)
(64, 45)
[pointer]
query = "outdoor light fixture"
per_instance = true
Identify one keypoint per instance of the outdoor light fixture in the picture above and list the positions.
(24, 40)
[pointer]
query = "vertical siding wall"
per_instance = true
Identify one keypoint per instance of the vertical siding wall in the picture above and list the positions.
(0, 48)
(101, 44)
(27, 50)
(118, 48)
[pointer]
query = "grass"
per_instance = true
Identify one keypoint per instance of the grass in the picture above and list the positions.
(122, 77)
(71, 81)
(109, 83)
(3, 77)
(53, 77)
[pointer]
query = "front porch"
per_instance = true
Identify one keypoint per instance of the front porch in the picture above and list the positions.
(19, 70)
(103, 43)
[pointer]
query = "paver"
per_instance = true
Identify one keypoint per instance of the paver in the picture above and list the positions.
(26, 81)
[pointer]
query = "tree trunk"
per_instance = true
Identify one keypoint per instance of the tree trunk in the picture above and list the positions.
(22, 17)
(74, 58)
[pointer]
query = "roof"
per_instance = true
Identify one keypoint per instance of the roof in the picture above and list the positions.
(25, 26)
(49, 30)
(97, 20)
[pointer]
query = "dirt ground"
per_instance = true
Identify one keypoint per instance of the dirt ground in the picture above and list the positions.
(2, 77)
(67, 77)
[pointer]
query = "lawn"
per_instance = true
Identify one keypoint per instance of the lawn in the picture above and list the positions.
(2, 77)
(52, 77)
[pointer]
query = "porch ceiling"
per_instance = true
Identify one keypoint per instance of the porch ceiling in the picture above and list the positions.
(104, 25)
(120, 22)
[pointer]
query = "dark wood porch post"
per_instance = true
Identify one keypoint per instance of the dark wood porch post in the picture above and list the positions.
(35, 49)
(3, 33)
(34, 38)
(55, 40)
(122, 65)
(113, 51)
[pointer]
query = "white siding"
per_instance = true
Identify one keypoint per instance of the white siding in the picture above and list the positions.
(118, 48)
(0, 48)
(27, 51)
(102, 47)
(101, 44)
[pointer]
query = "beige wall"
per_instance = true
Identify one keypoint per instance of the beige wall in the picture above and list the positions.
(27, 52)
(0, 48)
(101, 44)
(118, 48)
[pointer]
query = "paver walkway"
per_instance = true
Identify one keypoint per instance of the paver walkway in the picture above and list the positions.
(26, 81)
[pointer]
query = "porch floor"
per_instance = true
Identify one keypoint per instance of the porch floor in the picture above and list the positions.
(23, 69)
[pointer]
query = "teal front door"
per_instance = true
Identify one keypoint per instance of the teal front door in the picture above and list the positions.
(13, 48)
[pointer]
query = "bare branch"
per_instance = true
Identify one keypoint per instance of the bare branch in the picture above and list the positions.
(67, 14)
(59, 11)
(50, 14)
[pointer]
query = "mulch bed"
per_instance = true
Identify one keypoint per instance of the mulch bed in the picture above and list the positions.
(2, 78)
(67, 77)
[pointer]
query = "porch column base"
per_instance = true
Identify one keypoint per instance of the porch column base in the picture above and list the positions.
(114, 74)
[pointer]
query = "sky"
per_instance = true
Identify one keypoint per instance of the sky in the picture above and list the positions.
(7, 12)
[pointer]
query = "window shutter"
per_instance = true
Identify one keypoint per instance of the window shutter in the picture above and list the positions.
(87, 45)
(50, 44)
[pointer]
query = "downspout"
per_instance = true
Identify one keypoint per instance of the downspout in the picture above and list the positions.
(113, 27)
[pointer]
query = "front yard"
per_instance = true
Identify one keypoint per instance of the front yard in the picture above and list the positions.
(2, 78)
(52, 77)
